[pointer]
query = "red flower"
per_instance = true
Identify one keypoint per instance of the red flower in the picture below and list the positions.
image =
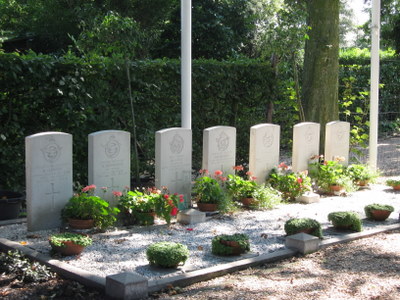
(170, 203)
(166, 196)
(117, 193)
(88, 188)
(218, 173)
(283, 165)
(181, 198)
(174, 211)
(299, 180)
(189, 229)
(238, 168)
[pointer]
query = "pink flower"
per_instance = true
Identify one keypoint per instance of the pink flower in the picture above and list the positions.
(117, 193)
(253, 177)
(174, 211)
(181, 198)
(223, 178)
(248, 173)
(238, 168)
(218, 173)
(299, 180)
(283, 165)
(88, 188)
(203, 171)
(104, 188)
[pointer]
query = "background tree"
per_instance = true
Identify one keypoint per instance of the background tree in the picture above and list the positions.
(321, 63)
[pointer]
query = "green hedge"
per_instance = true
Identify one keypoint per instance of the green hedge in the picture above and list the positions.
(44, 93)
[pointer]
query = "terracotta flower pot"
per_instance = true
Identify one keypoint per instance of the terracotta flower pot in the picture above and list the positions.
(396, 187)
(247, 201)
(81, 224)
(207, 206)
(380, 215)
(69, 249)
(336, 188)
(362, 182)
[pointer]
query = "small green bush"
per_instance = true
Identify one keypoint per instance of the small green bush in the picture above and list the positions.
(79, 239)
(346, 220)
(219, 248)
(167, 254)
(376, 206)
(297, 225)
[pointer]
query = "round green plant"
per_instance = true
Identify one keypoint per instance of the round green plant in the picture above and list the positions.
(393, 182)
(346, 220)
(76, 238)
(376, 206)
(219, 245)
(167, 254)
(306, 225)
(265, 197)
(361, 173)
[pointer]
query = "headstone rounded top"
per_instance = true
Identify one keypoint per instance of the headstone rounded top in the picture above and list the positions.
(220, 127)
(261, 125)
(305, 124)
(46, 133)
(109, 131)
(172, 129)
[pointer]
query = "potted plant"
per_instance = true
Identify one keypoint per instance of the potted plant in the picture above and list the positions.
(143, 205)
(394, 183)
(234, 244)
(378, 212)
(346, 220)
(306, 225)
(331, 176)
(91, 209)
(209, 192)
(10, 204)
(361, 174)
(69, 243)
(167, 254)
(290, 184)
(241, 187)
(264, 197)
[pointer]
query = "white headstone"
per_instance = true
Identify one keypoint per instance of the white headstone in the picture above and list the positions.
(110, 162)
(48, 157)
(264, 150)
(337, 141)
(173, 167)
(219, 149)
(305, 144)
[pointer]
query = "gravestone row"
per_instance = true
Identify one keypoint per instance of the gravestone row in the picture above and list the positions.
(49, 161)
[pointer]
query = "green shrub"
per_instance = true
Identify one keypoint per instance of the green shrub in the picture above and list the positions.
(79, 239)
(376, 206)
(346, 220)
(265, 197)
(219, 248)
(297, 225)
(167, 254)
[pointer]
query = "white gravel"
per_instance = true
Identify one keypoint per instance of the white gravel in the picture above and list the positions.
(124, 249)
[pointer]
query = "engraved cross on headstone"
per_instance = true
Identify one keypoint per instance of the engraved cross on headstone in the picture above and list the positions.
(177, 183)
(52, 193)
(112, 184)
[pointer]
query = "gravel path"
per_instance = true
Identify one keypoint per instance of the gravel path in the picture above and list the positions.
(124, 249)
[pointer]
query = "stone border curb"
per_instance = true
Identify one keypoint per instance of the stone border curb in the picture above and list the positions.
(57, 266)
(155, 285)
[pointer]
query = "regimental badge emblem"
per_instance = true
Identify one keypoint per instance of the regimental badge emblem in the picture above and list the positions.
(52, 151)
(177, 144)
(112, 147)
(268, 139)
(309, 135)
(223, 141)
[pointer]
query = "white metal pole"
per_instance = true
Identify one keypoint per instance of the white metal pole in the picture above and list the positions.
(186, 63)
(374, 92)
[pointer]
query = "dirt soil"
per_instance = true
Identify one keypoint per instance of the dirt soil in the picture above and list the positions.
(364, 269)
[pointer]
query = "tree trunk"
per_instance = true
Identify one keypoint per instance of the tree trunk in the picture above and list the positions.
(321, 64)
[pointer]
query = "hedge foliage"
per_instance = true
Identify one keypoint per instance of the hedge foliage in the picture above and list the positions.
(70, 94)
(44, 93)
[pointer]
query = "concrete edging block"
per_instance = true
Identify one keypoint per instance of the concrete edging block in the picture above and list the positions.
(303, 242)
(128, 285)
